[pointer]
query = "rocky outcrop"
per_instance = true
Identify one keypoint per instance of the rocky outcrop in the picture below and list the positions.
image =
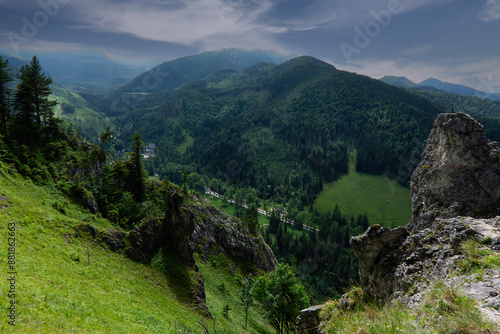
(191, 224)
(309, 320)
(377, 250)
(459, 174)
(145, 239)
(197, 226)
(455, 194)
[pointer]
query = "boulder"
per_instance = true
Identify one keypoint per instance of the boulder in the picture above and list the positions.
(309, 320)
(455, 194)
(377, 251)
(459, 174)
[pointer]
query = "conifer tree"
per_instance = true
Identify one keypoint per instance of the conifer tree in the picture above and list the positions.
(5, 79)
(136, 175)
(32, 95)
(281, 296)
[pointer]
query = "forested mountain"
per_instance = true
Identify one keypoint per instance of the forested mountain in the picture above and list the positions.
(273, 135)
(282, 129)
(398, 81)
(172, 74)
(457, 89)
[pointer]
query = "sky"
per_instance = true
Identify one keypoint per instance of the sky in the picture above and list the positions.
(456, 41)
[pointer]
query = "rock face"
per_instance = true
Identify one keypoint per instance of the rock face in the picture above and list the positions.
(309, 320)
(200, 227)
(190, 225)
(459, 174)
(455, 193)
(377, 250)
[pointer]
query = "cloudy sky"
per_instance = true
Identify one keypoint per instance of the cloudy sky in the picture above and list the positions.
(452, 40)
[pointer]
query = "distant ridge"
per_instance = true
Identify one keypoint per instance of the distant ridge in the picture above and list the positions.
(435, 84)
(175, 73)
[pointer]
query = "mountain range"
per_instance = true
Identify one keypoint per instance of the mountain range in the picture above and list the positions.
(267, 133)
(435, 84)
(173, 74)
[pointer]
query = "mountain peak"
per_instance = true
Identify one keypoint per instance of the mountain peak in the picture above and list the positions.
(398, 81)
(173, 74)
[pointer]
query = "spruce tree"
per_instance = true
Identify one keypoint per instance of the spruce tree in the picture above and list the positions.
(32, 95)
(5, 79)
(136, 176)
(41, 91)
(24, 99)
(246, 296)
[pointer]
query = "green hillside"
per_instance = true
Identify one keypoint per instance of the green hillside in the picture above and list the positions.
(72, 108)
(78, 285)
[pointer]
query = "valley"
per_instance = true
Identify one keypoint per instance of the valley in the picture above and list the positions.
(147, 210)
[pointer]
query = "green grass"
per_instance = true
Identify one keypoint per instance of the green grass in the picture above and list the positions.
(443, 310)
(90, 122)
(222, 282)
(477, 257)
(184, 146)
(69, 283)
(384, 200)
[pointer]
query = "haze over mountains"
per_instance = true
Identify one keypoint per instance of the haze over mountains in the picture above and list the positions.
(439, 85)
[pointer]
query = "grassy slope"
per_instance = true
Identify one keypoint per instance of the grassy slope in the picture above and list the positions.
(91, 122)
(385, 201)
(59, 291)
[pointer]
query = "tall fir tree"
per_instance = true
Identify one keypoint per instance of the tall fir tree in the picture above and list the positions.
(136, 176)
(32, 95)
(5, 91)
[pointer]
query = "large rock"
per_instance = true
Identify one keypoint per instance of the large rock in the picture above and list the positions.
(377, 251)
(309, 320)
(455, 192)
(459, 174)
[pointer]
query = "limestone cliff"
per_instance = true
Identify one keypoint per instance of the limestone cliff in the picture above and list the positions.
(455, 194)
(194, 225)
(459, 174)
(191, 224)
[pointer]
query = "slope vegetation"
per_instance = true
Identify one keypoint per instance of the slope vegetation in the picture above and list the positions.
(69, 282)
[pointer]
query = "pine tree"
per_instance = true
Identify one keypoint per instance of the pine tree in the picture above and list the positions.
(136, 176)
(23, 99)
(32, 95)
(105, 137)
(41, 91)
(5, 79)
